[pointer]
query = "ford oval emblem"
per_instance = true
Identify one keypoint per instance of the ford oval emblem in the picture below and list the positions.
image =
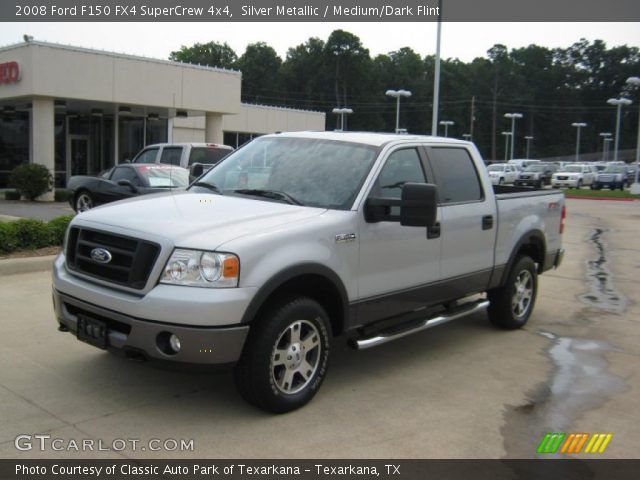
(100, 255)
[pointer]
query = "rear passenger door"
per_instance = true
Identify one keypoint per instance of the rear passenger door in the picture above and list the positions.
(468, 219)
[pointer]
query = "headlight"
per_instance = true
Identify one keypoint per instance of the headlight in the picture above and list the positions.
(199, 268)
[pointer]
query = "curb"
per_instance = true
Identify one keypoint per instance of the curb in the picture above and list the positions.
(613, 199)
(13, 266)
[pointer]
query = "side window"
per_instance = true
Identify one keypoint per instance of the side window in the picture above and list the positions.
(147, 156)
(456, 175)
(402, 166)
(125, 173)
(171, 155)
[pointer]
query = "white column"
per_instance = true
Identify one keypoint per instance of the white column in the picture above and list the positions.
(42, 137)
(213, 128)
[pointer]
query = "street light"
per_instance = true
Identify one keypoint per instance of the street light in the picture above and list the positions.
(397, 94)
(528, 138)
(446, 124)
(578, 125)
(635, 188)
(466, 136)
(506, 144)
(619, 103)
(342, 112)
(605, 143)
(513, 117)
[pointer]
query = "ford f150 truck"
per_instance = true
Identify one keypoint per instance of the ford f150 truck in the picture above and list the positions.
(300, 237)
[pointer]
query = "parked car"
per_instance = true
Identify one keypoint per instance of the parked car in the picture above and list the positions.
(574, 175)
(502, 173)
(522, 163)
(536, 174)
(631, 174)
(613, 176)
(369, 236)
(184, 154)
(124, 181)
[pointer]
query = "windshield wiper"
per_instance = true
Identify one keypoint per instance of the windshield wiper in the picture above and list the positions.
(210, 186)
(272, 194)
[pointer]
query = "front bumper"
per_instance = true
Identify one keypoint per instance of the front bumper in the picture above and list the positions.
(564, 183)
(199, 345)
(612, 184)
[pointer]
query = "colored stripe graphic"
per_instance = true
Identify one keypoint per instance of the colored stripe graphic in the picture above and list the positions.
(559, 442)
(551, 442)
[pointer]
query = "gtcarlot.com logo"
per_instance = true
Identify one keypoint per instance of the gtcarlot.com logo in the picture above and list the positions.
(44, 442)
(574, 443)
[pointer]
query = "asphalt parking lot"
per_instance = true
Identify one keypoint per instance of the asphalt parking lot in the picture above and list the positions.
(462, 390)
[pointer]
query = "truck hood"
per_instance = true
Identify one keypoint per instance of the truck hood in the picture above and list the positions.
(196, 220)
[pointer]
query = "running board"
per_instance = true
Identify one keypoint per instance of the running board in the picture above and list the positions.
(459, 312)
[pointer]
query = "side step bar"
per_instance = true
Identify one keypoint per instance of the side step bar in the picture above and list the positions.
(459, 312)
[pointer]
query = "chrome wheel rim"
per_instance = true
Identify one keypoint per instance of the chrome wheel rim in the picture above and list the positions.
(296, 357)
(523, 294)
(83, 202)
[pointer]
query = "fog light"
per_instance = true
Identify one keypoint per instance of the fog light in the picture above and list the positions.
(174, 342)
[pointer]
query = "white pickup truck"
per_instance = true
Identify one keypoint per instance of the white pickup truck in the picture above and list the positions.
(300, 237)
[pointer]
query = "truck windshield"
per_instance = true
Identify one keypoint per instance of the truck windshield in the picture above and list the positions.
(316, 173)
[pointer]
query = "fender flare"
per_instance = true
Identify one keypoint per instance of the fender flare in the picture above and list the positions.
(537, 236)
(291, 272)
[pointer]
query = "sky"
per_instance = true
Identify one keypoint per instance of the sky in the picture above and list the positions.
(464, 41)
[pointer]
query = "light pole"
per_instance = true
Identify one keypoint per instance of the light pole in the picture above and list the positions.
(578, 125)
(342, 111)
(513, 117)
(446, 124)
(397, 94)
(506, 144)
(528, 138)
(605, 143)
(466, 136)
(635, 187)
(619, 103)
(608, 145)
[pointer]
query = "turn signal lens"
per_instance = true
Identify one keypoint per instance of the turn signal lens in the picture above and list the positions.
(231, 267)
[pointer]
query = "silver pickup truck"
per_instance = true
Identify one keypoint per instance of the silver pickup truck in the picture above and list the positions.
(300, 237)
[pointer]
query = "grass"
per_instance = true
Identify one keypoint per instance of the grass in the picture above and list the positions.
(584, 192)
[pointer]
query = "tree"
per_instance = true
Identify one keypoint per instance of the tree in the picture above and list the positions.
(212, 54)
(260, 67)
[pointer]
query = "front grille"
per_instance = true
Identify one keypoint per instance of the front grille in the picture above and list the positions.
(524, 177)
(131, 259)
(563, 178)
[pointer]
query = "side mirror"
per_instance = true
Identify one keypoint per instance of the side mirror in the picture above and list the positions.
(196, 170)
(127, 183)
(419, 205)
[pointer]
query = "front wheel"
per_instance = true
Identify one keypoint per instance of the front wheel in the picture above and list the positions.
(83, 202)
(285, 358)
(511, 305)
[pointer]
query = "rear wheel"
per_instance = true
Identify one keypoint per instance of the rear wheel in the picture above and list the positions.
(511, 305)
(83, 201)
(286, 355)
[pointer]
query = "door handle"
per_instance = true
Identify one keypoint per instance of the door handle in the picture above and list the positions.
(487, 222)
(434, 231)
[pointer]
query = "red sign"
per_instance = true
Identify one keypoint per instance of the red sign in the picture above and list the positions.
(9, 73)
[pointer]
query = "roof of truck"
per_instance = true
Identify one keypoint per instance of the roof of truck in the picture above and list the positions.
(368, 138)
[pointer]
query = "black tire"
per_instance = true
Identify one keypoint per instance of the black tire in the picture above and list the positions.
(579, 185)
(502, 311)
(83, 201)
(501, 181)
(262, 373)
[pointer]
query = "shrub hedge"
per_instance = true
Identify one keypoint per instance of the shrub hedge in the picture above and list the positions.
(12, 195)
(27, 234)
(31, 180)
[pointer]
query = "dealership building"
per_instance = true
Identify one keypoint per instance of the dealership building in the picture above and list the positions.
(79, 111)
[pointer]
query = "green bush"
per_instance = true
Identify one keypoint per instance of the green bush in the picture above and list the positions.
(58, 227)
(26, 233)
(61, 195)
(11, 195)
(8, 239)
(31, 180)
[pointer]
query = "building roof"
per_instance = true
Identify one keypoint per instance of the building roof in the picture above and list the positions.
(74, 48)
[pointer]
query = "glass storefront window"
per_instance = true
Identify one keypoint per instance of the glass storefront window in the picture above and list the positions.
(156, 131)
(14, 143)
(130, 137)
